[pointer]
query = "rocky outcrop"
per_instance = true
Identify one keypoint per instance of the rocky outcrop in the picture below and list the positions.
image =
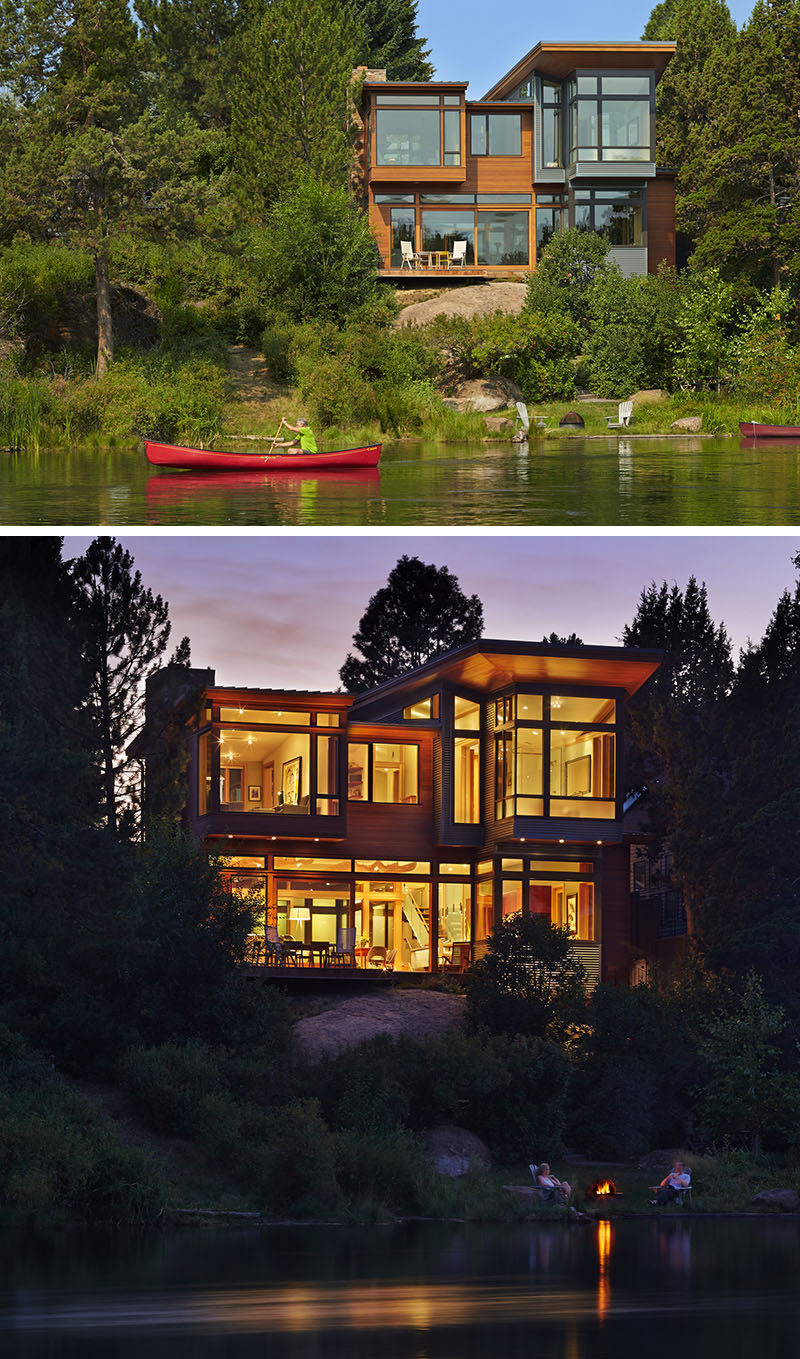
(690, 424)
(498, 424)
(485, 395)
(454, 1151)
(787, 1200)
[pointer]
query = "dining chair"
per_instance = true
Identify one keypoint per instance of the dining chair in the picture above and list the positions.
(458, 255)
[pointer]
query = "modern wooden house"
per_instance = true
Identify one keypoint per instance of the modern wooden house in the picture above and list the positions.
(401, 825)
(565, 138)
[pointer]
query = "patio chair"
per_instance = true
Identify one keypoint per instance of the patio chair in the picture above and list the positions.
(376, 956)
(460, 959)
(458, 255)
(408, 255)
(522, 422)
(388, 962)
(344, 953)
(624, 413)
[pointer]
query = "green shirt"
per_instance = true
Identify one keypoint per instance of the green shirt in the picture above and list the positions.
(307, 441)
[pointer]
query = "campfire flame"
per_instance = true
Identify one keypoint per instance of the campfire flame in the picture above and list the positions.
(604, 1187)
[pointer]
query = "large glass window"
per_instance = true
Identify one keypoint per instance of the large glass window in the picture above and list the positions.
(552, 154)
(546, 764)
(582, 771)
(203, 772)
(272, 717)
(503, 238)
(568, 904)
(428, 134)
(529, 772)
(440, 229)
(467, 780)
(327, 802)
(263, 771)
(614, 212)
(611, 118)
(455, 908)
(382, 772)
(403, 228)
(394, 916)
(549, 220)
(408, 136)
(496, 134)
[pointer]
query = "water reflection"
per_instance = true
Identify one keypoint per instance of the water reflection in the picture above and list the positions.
(567, 482)
(702, 1290)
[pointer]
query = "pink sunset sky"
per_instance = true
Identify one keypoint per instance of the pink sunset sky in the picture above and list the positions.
(280, 610)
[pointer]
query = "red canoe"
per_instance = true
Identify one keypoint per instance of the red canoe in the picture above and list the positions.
(751, 430)
(200, 459)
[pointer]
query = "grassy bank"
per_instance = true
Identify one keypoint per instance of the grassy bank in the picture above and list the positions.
(187, 396)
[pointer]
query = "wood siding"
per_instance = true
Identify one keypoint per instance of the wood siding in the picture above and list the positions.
(615, 919)
(660, 222)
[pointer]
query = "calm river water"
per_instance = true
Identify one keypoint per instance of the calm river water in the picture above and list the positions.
(577, 482)
(667, 1289)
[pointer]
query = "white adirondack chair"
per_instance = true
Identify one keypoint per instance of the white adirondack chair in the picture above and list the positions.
(623, 416)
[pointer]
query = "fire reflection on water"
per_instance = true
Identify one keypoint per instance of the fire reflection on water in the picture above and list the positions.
(604, 1238)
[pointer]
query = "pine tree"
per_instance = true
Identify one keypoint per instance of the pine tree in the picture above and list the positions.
(126, 629)
(420, 612)
(86, 153)
(744, 175)
(197, 46)
(390, 38)
(292, 104)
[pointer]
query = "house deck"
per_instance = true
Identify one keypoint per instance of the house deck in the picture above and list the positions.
(423, 276)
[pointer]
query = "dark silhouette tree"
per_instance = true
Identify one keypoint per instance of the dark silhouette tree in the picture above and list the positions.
(529, 981)
(420, 612)
(777, 656)
(555, 640)
(676, 747)
(126, 631)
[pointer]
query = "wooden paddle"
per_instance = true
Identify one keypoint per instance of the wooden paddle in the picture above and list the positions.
(275, 440)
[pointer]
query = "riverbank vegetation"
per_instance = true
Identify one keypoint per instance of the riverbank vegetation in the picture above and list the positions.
(162, 198)
(121, 961)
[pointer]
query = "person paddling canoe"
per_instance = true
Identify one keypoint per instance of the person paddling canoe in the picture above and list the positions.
(304, 443)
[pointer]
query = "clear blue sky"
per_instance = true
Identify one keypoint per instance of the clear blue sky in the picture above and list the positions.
(280, 609)
(475, 41)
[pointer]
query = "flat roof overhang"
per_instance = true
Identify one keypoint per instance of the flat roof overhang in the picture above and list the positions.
(559, 59)
(489, 666)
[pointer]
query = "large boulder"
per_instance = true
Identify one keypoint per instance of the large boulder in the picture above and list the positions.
(498, 424)
(787, 1200)
(690, 424)
(485, 395)
(454, 1151)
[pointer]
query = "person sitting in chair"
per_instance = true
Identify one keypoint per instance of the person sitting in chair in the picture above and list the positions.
(669, 1189)
(304, 443)
(556, 1191)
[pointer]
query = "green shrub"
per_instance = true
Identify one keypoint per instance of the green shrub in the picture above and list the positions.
(563, 280)
(293, 1164)
(317, 256)
(633, 323)
(59, 1155)
(529, 981)
(176, 1084)
(533, 350)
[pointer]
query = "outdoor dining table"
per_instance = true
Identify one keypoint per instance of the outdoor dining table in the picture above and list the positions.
(434, 259)
(315, 954)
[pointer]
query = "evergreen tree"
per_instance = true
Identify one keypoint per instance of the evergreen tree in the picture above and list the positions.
(126, 630)
(676, 748)
(776, 658)
(292, 102)
(196, 44)
(419, 613)
(744, 174)
(390, 38)
(86, 154)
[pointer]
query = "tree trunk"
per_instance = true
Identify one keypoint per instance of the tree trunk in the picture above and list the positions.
(105, 334)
